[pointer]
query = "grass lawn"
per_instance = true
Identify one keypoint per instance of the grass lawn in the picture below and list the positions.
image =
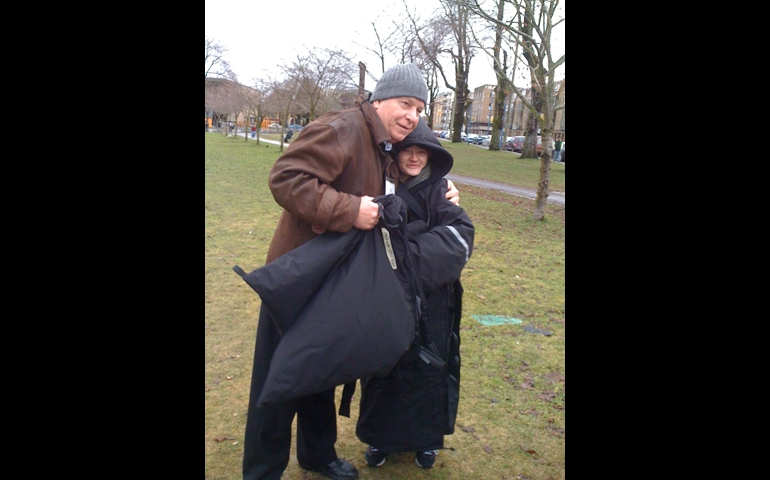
(511, 419)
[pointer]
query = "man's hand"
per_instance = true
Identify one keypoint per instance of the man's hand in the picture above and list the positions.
(368, 214)
(453, 195)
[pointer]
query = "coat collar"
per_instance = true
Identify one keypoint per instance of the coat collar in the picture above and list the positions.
(379, 132)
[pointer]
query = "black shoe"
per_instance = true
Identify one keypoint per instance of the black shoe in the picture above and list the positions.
(337, 470)
(375, 457)
(426, 459)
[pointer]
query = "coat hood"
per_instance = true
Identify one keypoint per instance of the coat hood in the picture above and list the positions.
(440, 161)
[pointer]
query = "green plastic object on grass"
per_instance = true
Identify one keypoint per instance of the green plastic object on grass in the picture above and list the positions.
(490, 320)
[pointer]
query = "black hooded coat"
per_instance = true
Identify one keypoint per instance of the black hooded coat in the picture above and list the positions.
(415, 405)
(347, 306)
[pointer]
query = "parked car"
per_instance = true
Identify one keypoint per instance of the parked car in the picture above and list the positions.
(503, 143)
(514, 144)
(471, 138)
(517, 143)
(296, 128)
(485, 139)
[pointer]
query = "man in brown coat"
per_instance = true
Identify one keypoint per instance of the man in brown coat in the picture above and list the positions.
(326, 180)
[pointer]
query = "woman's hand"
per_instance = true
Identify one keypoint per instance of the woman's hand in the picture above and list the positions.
(453, 195)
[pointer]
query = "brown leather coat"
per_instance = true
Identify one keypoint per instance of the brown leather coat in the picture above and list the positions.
(320, 178)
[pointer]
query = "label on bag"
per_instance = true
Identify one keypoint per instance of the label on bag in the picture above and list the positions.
(388, 247)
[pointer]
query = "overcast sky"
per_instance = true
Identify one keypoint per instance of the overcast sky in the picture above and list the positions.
(260, 34)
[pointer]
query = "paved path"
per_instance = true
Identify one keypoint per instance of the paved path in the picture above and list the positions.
(553, 197)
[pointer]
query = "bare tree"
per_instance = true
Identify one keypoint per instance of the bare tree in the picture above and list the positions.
(224, 98)
(433, 91)
(216, 65)
(320, 77)
(217, 68)
(282, 100)
(406, 48)
(264, 90)
(252, 102)
(213, 98)
(531, 27)
(385, 42)
(501, 92)
(447, 34)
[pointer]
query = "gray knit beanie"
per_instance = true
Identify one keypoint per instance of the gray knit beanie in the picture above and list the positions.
(401, 81)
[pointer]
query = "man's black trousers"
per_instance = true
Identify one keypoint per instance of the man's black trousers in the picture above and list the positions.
(267, 442)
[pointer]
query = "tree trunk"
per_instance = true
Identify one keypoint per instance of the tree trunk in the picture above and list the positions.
(546, 140)
(500, 91)
(501, 94)
(542, 189)
(461, 103)
(529, 149)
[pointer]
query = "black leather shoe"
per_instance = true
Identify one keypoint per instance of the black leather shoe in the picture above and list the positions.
(337, 470)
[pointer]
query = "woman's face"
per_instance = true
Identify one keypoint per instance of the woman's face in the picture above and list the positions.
(412, 160)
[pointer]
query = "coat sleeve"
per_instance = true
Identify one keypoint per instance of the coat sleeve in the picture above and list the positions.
(442, 251)
(301, 180)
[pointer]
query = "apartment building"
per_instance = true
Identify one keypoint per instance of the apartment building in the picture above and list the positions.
(517, 114)
(481, 113)
(444, 110)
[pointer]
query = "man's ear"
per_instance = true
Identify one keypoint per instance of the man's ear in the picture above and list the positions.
(376, 104)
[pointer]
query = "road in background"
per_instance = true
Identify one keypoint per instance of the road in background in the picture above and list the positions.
(553, 197)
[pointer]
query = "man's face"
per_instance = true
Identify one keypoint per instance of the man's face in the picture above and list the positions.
(399, 115)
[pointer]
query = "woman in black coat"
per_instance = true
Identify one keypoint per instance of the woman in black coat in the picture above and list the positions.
(415, 405)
